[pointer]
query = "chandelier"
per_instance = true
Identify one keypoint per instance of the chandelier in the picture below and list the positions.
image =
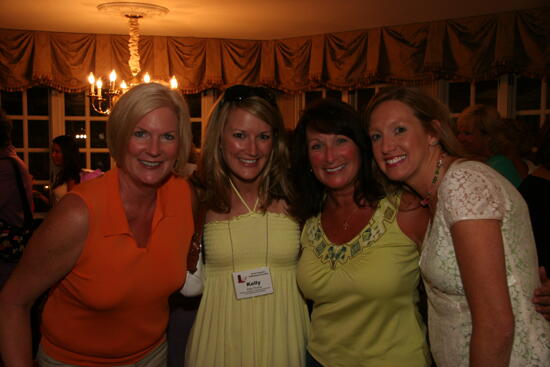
(102, 98)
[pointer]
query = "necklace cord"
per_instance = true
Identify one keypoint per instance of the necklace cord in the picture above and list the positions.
(266, 215)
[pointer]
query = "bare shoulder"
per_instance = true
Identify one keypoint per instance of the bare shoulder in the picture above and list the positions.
(52, 251)
(278, 206)
(63, 232)
(412, 218)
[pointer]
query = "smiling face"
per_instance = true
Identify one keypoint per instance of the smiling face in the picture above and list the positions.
(400, 144)
(334, 159)
(246, 142)
(57, 155)
(152, 149)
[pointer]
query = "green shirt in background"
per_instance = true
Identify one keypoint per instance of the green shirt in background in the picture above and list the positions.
(505, 167)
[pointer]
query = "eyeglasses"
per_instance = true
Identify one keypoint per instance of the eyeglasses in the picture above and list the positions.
(239, 93)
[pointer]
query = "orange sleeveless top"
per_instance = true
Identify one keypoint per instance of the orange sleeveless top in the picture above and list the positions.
(112, 308)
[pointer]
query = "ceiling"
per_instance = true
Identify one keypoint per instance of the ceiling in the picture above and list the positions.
(246, 19)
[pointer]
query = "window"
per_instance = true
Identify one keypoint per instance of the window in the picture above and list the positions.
(532, 102)
(89, 129)
(30, 113)
(465, 94)
(194, 101)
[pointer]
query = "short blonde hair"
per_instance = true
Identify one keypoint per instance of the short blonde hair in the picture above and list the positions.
(138, 102)
(213, 172)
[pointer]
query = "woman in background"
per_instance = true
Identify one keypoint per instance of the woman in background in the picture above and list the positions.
(113, 250)
(478, 260)
(359, 263)
(65, 157)
(481, 131)
(251, 312)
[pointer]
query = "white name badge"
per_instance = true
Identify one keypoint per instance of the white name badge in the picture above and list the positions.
(252, 283)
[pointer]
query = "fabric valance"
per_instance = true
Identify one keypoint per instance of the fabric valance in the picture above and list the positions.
(474, 48)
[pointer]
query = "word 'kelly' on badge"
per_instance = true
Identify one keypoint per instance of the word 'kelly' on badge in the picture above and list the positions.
(252, 283)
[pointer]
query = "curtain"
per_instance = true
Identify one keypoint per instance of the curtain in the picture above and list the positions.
(473, 48)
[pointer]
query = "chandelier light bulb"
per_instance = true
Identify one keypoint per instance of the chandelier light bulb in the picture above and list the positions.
(91, 80)
(99, 85)
(174, 82)
(112, 80)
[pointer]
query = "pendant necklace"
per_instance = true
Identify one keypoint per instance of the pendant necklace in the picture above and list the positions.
(426, 201)
(346, 224)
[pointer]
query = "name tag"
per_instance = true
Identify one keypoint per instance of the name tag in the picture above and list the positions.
(252, 283)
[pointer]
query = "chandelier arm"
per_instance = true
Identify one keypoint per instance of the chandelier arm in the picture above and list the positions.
(102, 100)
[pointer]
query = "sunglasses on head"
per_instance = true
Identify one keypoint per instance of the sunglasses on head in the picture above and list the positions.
(239, 93)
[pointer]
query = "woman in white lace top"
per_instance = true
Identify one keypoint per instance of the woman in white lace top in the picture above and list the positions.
(478, 259)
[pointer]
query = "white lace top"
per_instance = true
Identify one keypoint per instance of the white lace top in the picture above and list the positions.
(472, 190)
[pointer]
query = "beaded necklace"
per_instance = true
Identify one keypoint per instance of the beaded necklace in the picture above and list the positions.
(426, 201)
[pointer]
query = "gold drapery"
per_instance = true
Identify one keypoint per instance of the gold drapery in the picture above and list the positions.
(473, 48)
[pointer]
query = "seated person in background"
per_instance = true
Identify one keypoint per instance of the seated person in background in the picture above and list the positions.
(480, 131)
(535, 189)
(11, 207)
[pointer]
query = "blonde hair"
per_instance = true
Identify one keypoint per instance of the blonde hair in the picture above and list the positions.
(138, 102)
(490, 124)
(214, 173)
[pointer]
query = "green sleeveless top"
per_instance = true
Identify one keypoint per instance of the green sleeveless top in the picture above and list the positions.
(364, 294)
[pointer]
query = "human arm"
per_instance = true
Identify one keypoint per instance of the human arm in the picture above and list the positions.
(50, 254)
(70, 185)
(479, 251)
(193, 285)
(542, 295)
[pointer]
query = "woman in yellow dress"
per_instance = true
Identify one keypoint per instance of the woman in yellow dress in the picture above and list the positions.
(251, 312)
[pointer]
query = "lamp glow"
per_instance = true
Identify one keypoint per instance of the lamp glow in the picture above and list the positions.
(174, 82)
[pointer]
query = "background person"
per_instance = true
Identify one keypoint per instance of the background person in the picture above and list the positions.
(243, 170)
(480, 130)
(359, 263)
(11, 206)
(112, 250)
(65, 157)
(478, 259)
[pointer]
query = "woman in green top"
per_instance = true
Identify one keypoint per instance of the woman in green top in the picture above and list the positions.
(359, 263)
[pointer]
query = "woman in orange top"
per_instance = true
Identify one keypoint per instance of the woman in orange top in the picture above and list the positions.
(112, 250)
